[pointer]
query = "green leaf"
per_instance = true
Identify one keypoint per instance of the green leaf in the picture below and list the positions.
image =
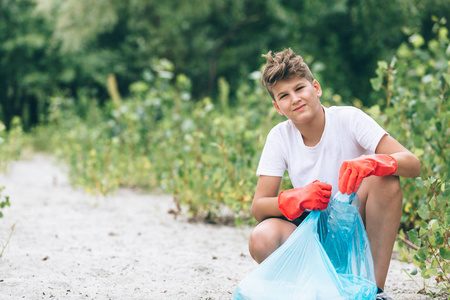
(439, 126)
(431, 240)
(432, 179)
(433, 224)
(419, 182)
(430, 271)
(445, 254)
(421, 255)
(382, 65)
(439, 238)
(423, 212)
(376, 83)
(418, 152)
(423, 225)
(422, 252)
(442, 200)
(423, 267)
(425, 274)
(413, 236)
(393, 62)
(423, 231)
(417, 40)
(447, 77)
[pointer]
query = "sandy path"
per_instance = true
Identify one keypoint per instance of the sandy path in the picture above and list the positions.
(67, 245)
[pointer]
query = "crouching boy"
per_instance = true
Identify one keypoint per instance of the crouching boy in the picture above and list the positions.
(325, 150)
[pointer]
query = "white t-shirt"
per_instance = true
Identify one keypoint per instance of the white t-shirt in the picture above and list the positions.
(348, 133)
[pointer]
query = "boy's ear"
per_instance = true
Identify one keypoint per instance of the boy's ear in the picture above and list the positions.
(275, 104)
(318, 88)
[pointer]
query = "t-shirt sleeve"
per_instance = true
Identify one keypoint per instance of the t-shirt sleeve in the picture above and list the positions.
(368, 132)
(272, 161)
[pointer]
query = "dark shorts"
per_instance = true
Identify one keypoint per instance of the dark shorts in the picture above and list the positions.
(299, 220)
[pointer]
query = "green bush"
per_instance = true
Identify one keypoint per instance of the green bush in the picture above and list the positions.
(206, 152)
(416, 111)
(11, 143)
(203, 153)
(432, 252)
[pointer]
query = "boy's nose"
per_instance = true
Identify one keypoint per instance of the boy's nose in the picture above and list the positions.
(296, 99)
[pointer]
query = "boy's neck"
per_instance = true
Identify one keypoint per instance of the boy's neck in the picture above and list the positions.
(312, 132)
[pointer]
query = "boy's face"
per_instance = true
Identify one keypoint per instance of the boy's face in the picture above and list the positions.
(297, 99)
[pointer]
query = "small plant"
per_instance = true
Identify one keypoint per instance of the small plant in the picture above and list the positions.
(4, 201)
(3, 247)
(432, 238)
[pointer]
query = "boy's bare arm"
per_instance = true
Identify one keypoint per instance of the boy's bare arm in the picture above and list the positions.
(265, 201)
(408, 165)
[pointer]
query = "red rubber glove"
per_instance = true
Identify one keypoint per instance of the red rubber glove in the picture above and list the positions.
(353, 171)
(314, 196)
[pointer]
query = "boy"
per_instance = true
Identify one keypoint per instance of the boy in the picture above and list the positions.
(325, 149)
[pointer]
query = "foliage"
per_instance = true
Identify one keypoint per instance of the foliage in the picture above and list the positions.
(205, 154)
(71, 47)
(11, 143)
(193, 123)
(210, 39)
(417, 112)
(4, 201)
(161, 138)
(28, 67)
(205, 150)
(432, 254)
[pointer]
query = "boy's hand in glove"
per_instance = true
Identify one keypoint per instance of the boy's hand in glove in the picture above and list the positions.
(313, 196)
(353, 171)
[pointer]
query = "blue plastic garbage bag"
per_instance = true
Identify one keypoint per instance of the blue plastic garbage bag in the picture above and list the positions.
(327, 257)
(346, 242)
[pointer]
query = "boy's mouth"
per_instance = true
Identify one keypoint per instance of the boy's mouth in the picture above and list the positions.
(300, 107)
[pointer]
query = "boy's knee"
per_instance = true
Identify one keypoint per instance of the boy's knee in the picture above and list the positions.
(385, 189)
(267, 236)
(390, 186)
(260, 238)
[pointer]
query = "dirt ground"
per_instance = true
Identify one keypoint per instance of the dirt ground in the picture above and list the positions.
(69, 245)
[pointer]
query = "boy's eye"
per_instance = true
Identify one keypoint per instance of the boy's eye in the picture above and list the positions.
(299, 88)
(283, 96)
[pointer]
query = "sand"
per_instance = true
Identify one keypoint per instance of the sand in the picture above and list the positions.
(69, 245)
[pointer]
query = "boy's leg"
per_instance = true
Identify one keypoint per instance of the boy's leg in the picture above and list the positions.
(268, 236)
(381, 210)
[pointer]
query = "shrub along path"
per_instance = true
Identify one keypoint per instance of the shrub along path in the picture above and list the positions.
(68, 245)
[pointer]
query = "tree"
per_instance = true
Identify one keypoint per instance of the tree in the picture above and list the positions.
(71, 47)
(25, 74)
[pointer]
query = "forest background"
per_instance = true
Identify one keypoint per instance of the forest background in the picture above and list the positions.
(165, 95)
